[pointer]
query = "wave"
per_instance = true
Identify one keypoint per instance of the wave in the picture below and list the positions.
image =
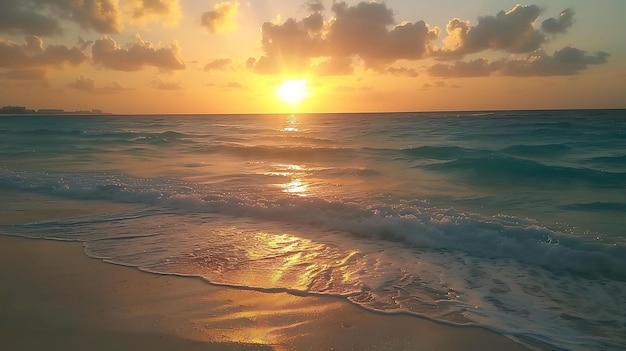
(446, 153)
(87, 186)
(597, 206)
(414, 224)
(440, 152)
(607, 160)
(546, 150)
(509, 171)
(285, 153)
(163, 138)
(431, 228)
(349, 172)
(405, 257)
(94, 135)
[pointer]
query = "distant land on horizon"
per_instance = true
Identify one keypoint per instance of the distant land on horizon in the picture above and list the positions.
(21, 110)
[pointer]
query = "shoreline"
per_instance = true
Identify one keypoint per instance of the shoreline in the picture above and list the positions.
(54, 296)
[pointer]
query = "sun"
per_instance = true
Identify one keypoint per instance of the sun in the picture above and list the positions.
(293, 91)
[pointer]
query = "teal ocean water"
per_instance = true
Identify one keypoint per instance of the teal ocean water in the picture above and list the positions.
(513, 221)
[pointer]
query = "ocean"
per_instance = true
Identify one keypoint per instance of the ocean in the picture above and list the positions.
(513, 220)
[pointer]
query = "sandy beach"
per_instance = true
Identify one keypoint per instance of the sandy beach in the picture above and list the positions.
(54, 297)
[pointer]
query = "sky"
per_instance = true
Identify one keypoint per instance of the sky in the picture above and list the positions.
(201, 56)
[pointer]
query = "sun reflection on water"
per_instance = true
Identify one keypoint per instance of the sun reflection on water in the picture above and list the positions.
(297, 185)
(292, 124)
(302, 264)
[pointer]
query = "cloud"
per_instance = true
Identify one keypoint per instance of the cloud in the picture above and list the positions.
(367, 33)
(565, 62)
(365, 30)
(89, 85)
(21, 17)
(31, 54)
(107, 54)
(167, 11)
(360, 29)
(511, 31)
(218, 64)
(221, 18)
(163, 85)
(333, 66)
(402, 71)
(315, 6)
(104, 16)
(289, 46)
(476, 68)
(229, 86)
(100, 15)
(83, 44)
(439, 84)
(82, 84)
(114, 87)
(559, 25)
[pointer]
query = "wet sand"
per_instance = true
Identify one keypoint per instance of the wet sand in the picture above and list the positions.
(54, 297)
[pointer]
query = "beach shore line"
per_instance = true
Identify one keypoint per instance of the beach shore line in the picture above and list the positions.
(54, 297)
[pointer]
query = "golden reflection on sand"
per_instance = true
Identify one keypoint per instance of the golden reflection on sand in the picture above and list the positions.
(287, 258)
(263, 319)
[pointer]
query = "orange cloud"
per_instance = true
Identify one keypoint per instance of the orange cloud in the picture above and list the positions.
(565, 62)
(511, 31)
(100, 15)
(114, 87)
(88, 85)
(32, 54)
(219, 64)
(327, 47)
(315, 6)
(477, 68)
(367, 33)
(82, 84)
(222, 17)
(164, 85)
(167, 11)
(107, 54)
(103, 16)
(402, 71)
(363, 30)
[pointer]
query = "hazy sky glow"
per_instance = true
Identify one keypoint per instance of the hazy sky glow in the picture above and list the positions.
(191, 56)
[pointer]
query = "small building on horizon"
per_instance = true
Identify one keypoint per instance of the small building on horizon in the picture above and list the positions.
(51, 111)
(15, 110)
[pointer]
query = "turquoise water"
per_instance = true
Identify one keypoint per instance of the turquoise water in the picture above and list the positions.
(513, 221)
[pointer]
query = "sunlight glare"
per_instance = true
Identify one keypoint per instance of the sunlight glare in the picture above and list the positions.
(293, 91)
